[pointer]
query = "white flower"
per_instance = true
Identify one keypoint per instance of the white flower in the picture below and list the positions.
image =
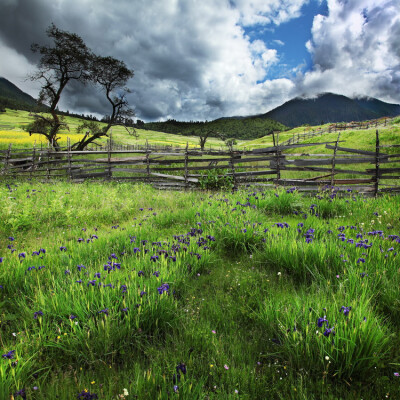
(125, 392)
(326, 358)
(279, 273)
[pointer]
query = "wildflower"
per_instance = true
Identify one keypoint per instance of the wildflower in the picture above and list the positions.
(362, 260)
(140, 273)
(97, 275)
(156, 274)
(328, 331)
(163, 288)
(63, 248)
(181, 367)
(124, 288)
(226, 367)
(21, 393)
(396, 374)
(104, 311)
(37, 314)
(126, 393)
(22, 255)
(86, 395)
(72, 317)
(176, 388)
(321, 321)
(213, 332)
(11, 239)
(346, 310)
(10, 355)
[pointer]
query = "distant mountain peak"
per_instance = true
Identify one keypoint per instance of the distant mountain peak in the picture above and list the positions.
(330, 107)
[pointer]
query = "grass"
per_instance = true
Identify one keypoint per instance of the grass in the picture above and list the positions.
(249, 295)
(13, 130)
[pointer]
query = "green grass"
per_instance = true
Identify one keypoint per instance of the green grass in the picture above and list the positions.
(249, 276)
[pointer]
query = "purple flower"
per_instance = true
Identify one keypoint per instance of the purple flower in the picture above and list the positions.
(22, 255)
(37, 314)
(321, 321)
(346, 310)
(362, 260)
(21, 393)
(163, 288)
(72, 317)
(97, 275)
(80, 267)
(9, 355)
(156, 273)
(93, 282)
(11, 238)
(142, 293)
(104, 311)
(63, 248)
(328, 331)
(124, 288)
(85, 395)
(140, 273)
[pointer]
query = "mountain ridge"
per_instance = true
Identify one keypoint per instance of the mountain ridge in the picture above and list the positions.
(330, 107)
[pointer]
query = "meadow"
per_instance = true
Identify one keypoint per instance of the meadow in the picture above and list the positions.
(112, 290)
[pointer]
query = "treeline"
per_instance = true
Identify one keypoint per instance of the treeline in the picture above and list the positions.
(244, 128)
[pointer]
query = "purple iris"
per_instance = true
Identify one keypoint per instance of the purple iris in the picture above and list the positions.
(9, 355)
(37, 314)
(321, 321)
(346, 310)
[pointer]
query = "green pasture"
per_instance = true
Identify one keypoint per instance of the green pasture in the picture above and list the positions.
(112, 290)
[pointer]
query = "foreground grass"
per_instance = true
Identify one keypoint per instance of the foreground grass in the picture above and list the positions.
(251, 295)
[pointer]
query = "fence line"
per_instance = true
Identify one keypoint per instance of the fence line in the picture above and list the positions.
(188, 168)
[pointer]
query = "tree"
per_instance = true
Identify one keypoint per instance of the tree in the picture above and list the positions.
(111, 75)
(67, 60)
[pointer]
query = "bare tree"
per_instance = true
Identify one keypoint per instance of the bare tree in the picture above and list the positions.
(67, 60)
(111, 75)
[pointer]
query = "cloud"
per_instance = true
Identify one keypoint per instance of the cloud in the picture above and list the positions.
(194, 60)
(356, 50)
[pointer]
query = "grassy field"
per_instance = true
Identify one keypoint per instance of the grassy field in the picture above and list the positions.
(115, 291)
(13, 130)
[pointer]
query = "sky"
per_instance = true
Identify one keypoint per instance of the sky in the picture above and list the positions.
(206, 59)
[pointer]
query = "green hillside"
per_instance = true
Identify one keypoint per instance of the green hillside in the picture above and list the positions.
(244, 128)
(12, 97)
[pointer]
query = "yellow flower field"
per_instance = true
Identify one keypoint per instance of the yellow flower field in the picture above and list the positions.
(22, 138)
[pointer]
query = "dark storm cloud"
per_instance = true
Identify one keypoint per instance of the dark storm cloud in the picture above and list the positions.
(192, 60)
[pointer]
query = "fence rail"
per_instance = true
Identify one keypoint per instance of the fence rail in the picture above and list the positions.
(369, 171)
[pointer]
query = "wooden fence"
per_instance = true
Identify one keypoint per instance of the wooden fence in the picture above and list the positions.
(299, 137)
(370, 172)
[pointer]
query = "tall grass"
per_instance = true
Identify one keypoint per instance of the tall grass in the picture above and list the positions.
(250, 295)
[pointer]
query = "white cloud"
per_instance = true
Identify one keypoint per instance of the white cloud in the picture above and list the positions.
(356, 49)
(193, 60)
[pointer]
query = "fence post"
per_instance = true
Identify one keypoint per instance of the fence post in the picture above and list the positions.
(186, 165)
(147, 161)
(109, 175)
(33, 159)
(278, 162)
(6, 161)
(232, 165)
(334, 160)
(377, 164)
(48, 161)
(69, 158)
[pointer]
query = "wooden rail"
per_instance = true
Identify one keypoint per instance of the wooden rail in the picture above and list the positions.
(371, 171)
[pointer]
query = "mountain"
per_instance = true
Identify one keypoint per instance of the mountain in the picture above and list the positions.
(329, 107)
(13, 97)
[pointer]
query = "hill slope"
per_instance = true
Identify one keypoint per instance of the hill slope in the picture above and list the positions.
(13, 97)
(243, 128)
(329, 107)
